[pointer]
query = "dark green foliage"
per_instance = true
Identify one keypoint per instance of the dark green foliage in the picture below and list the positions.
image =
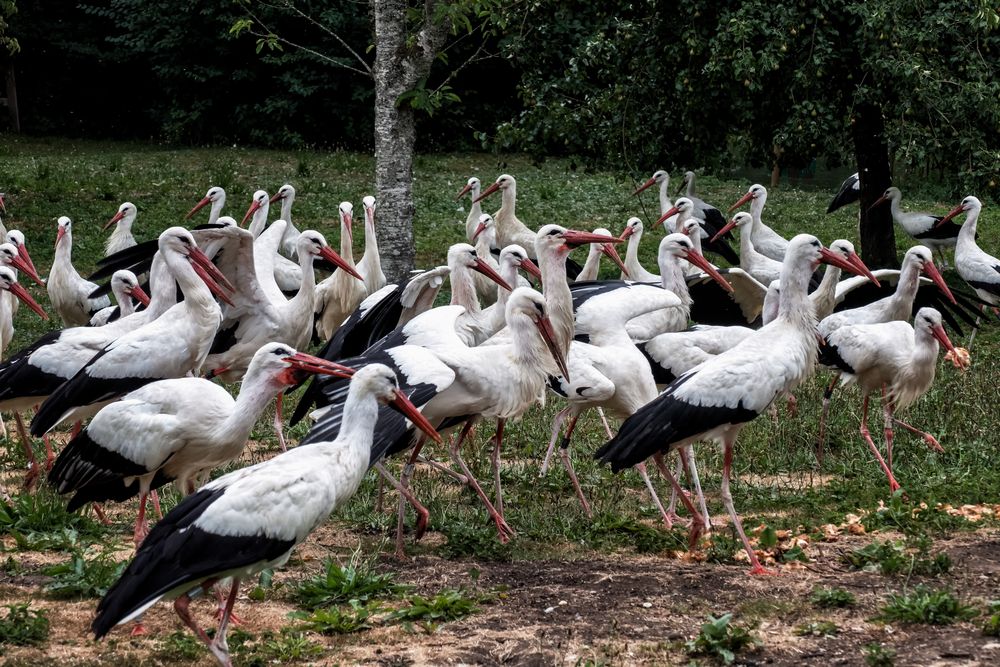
(899, 557)
(879, 655)
(23, 626)
(830, 598)
(40, 521)
(353, 617)
(449, 604)
(720, 639)
(336, 583)
(80, 577)
(923, 605)
(991, 626)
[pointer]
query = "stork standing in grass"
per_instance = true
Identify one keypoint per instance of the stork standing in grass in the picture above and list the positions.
(68, 291)
(121, 238)
(924, 228)
(716, 400)
(252, 519)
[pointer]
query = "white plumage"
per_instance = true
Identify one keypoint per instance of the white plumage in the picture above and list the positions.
(121, 238)
(68, 291)
(978, 268)
(766, 241)
(128, 293)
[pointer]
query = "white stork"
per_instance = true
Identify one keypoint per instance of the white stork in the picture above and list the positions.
(16, 237)
(979, 269)
(215, 196)
(767, 241)
(339, 295)
(509, 228)
(662, 179)
(125, 286)
(715, 400)
(287, 274)
(472, 187)
(923, 228)
(370, 266)
(713, 230)
(592, 266)
(9, 285)
(824, 297)
(121, 238)
(286, 195)
(68, 291)
(484, 237)
(895, 358)
(173, 345)
(179, 429)
(10, 256)
(633, 235)
(251, 519)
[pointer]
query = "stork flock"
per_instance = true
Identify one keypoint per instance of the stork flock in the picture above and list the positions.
(689, 353)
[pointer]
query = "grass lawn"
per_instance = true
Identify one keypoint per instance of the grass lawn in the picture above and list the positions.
(778, 483)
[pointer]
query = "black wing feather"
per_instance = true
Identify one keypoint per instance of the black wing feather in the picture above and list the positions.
(850, 192)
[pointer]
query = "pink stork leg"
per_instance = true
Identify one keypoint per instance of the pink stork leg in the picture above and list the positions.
(141, 527)
(407, 496)
(697, 521)
(672, 507)
(641, 467)
(181, 604)
(931, 441)
(221, 647)
(727, 500)
(568, 464)
(887, 428)
(556, 426)
(686, 454)
(504, 531)
(279, 428)
(893, 486)
(155, 497)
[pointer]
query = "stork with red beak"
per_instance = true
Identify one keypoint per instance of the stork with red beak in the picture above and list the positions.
(215, 196)
(767, 241)
(121, 238)
(977, 268)
(68, 291)
(128, 293)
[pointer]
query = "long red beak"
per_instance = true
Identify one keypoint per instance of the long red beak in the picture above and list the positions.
(743, 200)
(645, 186)
(211, 275)
(863, 268)
(939, 333)
(410, 411)
(548, 334)
(139, 295)
(531, 268)
(275, 197)
(310, 364)
(575, 239)
(18, 263)
(22, 252)
(118, 216)
(330, 255)
(663, 218)
(611, 252)
(827, 256)
(464, 191)
(3, 206)
(627, 233)
(254, 207)
(935, 275)
(880, 200)
(61, 232)
(729, 225)
(488, 271)
(958, 210)
(699, 260)
(348, 222)
(197, 207)
(17, 289)
(479, 230)
(487, 192)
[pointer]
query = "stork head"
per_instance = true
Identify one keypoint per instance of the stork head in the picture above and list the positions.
(504, 182)
(125, 215)
(11, 256)
(845, 249)
(686, 180)
(743, 220)
(462, 256)
(678, 246)
(8, 281)
(756, 192)
(214, 194)
(553, 239)
(473, 185)
(312, 244)
(380, 381)
(632, 227)
(608, 249)
(659, 176)
(286, 191)
(284, 367)
(692, 227)
(928, 324)
(487, 225)
(968, 204)
(368, 202)
(517, 257)
(16, 236)
(682, 208)
(64, 226)
(125, 284)
(890, 194)
(179, 241)
(921, 257)
(346, 213)
(259, 202)
(528, 306)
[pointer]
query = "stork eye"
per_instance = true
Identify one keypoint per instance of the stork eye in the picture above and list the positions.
(815, 244)
(553, 232)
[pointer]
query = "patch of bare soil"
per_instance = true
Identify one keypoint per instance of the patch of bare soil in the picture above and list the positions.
(611, 610)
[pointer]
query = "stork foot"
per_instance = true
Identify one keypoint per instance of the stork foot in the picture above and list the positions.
(423, 516)
(504, 531)
(792, 405)
(138, 630)
(31, 478)
(933, 443)
(759, 570)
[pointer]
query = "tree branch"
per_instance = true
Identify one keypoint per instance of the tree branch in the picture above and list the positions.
(333, 34)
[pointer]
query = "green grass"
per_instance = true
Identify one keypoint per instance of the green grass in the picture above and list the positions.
(718, 638)
(832, 598)
(775, 474)
(355, 581)
(80, 577)
(23, 626)
(924, 605)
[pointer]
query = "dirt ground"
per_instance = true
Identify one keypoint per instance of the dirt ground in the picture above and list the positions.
(603, 610)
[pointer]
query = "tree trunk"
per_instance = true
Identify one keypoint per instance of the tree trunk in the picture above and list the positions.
(397, 69)
(875, 230)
